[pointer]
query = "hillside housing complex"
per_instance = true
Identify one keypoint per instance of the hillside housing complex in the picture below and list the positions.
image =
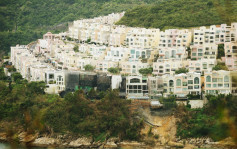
(60, 59)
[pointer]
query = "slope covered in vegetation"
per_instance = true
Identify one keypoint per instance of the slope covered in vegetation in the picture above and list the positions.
(182, 13)
(23, 21)
(24, 105)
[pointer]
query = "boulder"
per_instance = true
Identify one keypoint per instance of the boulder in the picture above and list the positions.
(81, 142)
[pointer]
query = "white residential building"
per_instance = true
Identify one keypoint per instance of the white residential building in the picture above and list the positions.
(132, 68)
(142, 38)
(177, 54)
(202, 65)
(175, 38)
(206, 51)
(136, 87)
(167, 67)
(230, 58)
(218, 82)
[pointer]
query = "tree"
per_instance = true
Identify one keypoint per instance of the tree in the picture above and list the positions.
(76, 48)
(88, 40)
(89, 67)
(221, 51)
(114, 70)
(220, 66)
(16, 76)
(36, 87)
(146, 71)
(181, 70)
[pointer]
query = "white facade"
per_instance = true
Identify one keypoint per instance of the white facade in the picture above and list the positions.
(218, 82)
(175, 38)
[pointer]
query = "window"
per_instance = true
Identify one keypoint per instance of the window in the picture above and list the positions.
(208, 79)
(178, 82)
(137, 54)
(171, 83)
(185, 84)
(190, 87)
(199, 54)
(196, 87)
(226, 79)
(190, 81)
(51, 76)
(226, 85)
(166, 54)
(135, 80)
(208, 85)
(220, 85)
(196, 80)
(214, 79)
(214, 85)
(220, 80)
(204, 66)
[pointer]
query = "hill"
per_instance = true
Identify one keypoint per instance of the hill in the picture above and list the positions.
(181, 14)
(23, 21)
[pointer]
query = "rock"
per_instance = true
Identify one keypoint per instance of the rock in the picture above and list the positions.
(113, 139)
(96, 145)
(3, 137)
(26, 138)
(132, 143)
(110, 145)
(175, 144)
(45, 142)
(81, 142)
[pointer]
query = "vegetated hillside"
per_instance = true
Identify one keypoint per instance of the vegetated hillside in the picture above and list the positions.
(182, 13)
(23, 21)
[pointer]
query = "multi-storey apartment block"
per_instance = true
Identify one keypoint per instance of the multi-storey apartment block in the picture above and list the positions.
(175, 38)
(202, 65)
(230, 58)
(136, 87)
(172, 53)
(166, 67)
(217, 34)
(206, 51)
(142, 38)
(218, 82)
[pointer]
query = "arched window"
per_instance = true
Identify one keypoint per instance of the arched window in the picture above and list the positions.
(171, 83)
(137, 54)
(135, 80)
(196, 80)
(226, 79)
(208, 79)
(178, 82)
